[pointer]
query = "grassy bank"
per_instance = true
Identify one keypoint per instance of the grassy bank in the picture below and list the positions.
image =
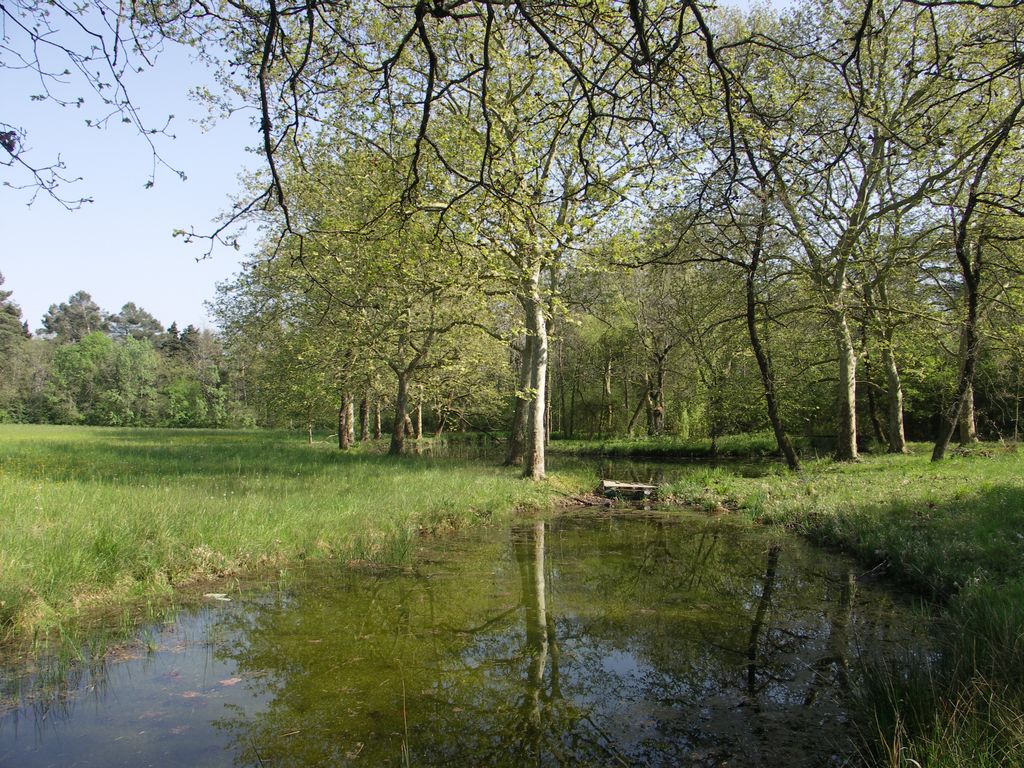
(935, 526)
(743, 446)
(92, 518)
(953, 530)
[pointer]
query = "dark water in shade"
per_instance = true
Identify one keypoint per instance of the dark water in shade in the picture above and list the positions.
(588, 640)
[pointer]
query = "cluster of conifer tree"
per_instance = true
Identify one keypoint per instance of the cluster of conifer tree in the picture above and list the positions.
(87, 366)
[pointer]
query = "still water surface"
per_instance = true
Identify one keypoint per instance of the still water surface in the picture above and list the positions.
(611, 639)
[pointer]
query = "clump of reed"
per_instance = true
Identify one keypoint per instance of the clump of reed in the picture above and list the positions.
(960, 707)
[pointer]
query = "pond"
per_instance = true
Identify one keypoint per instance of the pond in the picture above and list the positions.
(613, 638)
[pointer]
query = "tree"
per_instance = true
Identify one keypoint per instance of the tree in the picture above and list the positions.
(74, 319)
(135, 322)
(976, 197)
(853, 133)
(99, 381)
(12, 330)
(12, 342)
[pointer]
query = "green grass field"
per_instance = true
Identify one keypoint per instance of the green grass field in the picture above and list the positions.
(94, 518)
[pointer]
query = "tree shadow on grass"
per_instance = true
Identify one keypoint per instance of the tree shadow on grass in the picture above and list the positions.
(936, 547)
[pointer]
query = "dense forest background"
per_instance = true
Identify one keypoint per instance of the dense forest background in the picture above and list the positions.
(586, 220)
(657, 350)
(88, 366)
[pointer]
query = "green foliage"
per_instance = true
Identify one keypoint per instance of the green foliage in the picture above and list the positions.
(12, 348)
(74, 319)
(102, 382)
(135, 322)
(133, 373)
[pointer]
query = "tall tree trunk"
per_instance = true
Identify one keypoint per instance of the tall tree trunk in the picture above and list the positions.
(968, 343)
(965, 379)
(869, 384)
(536, 325)
(378, 433)
(418, 433)
(649, 402)
(764, 364)
(561, 388)
(968, 422)
(846, 448)
(971, 269)
(631, 426)
(397, 446)
(625, 389)
(571, 432)
(872, 403)
(656, 395)
(606, 394)
(364, 419)
(350, 419)
(547, 404)
(895, 434)
(517, 431)
(894, 397)
(344, 428)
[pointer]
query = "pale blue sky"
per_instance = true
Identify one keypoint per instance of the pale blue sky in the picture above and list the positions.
(120, 248)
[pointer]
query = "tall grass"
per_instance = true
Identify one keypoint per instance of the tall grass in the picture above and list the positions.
(91, 518)
(965, 708)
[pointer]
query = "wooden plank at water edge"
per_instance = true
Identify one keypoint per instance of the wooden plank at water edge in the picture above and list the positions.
(615, 489)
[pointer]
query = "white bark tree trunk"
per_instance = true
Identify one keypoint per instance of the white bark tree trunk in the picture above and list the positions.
(536, 326)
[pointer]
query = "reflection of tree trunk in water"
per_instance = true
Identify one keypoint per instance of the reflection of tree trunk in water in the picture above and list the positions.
(767, 586)
(530, 556)
(838, 642)
(657, 553)
(700, 561)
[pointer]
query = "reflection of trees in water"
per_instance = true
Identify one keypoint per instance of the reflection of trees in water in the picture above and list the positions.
(747, 638)
(836, 652)
(596, 643)
(529, 549)
(756, 627)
